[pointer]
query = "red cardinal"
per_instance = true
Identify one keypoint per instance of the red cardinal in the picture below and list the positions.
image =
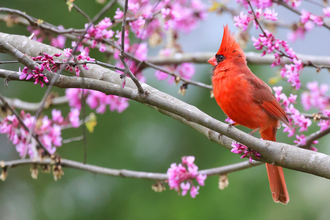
(248, 101)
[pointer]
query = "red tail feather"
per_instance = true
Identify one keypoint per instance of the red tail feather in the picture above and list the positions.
(275, 173)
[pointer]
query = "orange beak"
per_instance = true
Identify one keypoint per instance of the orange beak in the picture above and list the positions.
(212, 61)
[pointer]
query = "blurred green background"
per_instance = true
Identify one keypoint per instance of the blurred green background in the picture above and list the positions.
(144, 140)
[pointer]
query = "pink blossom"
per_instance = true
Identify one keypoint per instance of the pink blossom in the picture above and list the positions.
(185, 187)
(119, 14)
(60, 40)
(133, 7)
(239, 148)
(201, 178)
(186, 70)
(270, 15)
(229, 120)
(292, 73)
(102, 48)
(160, 75)
(49, 133)
(188, 160)
(181, 176)
(74, 117)
(291, 130)
(301, 140)
(326, 113)
(118, 103)
(315, 97)
(326, 11)
(57, 116)
(258, 13)
(305, 15)
(74, 97)
(194, 191)
(165, 12)
(242, 20)
(317, 19)
(324, 124)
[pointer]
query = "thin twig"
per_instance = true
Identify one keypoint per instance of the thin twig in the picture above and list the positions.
(103, 10)
(80, 11)
(316, 3)
(127, 173)
(122, 53)
(43, 25)
(284, 4)
(315, 136)
(28, 106)
(66, 141)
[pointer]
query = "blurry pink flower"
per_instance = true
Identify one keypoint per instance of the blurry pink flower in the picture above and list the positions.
(324, 124)
(201, 178)
(74, 117)
(160, 75)
(133, 7)
(326, 11)
(119, 14)
(242, 20)
(301, 140)
(57, 116)
(185, 187)
(270, 14)
(186, 70)
(194, 191)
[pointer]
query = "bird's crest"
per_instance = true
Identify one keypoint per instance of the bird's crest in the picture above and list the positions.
(228, 45)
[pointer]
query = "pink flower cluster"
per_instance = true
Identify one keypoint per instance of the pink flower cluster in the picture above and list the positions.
(258, 3)
(39, 35)
(99, 33)
(301, 140)
(243, 20)
(239, 148)
(315, 97)
(272, 45)
(83, 56)
(37, 74)
(292, 72)
(48, 132)
(296, 119)
(96, 100)
(300, 31)
(187, 171)
(183, 15)
(306, 16)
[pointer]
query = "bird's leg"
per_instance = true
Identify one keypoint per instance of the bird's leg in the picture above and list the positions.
(254, 131)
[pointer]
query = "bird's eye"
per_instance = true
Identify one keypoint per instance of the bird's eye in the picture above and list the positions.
(220, 58)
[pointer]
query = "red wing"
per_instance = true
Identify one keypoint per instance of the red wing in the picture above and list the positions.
(264, 97)
(274, 109)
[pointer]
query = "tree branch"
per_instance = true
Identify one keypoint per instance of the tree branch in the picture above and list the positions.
(126, 173)
(28, 106)
(251, 58)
